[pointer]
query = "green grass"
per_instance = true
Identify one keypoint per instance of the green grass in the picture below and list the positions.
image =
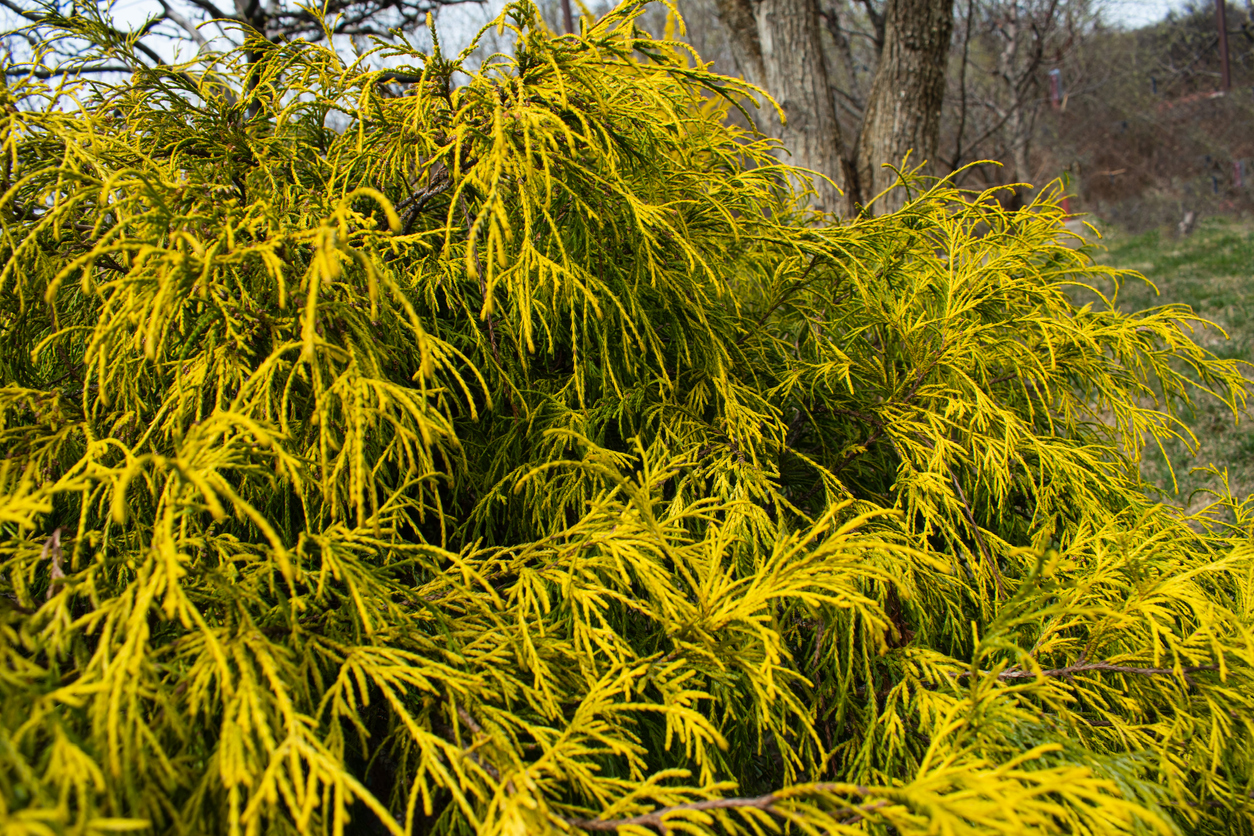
(1211, 271)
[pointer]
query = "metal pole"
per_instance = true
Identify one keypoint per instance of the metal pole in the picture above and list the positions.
(1221, 20)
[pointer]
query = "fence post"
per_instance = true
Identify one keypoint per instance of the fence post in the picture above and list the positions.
(1221, 21)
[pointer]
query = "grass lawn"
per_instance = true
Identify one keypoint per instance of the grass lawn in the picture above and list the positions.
(1212, 271)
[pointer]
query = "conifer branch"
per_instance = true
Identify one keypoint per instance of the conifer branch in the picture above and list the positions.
(919, 377)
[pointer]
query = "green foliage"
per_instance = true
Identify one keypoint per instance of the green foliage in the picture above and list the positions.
(519, 457)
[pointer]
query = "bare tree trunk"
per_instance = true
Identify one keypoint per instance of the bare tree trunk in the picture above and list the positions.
(1020, 126)
(796, 75)
(777, 45)
(904, 106)
(742, 26)
(856, 99)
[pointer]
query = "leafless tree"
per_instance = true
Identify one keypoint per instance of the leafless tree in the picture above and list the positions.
(1007, 49)
(778, 44)
(904, 104)
(778, 47)
(200, 23)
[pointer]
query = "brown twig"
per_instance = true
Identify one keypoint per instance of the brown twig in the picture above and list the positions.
(438, 182)
(1086, 667)
(800, 283)
(766, 803)
(478, 731)
(1108, 667)
(52, 551)
(10, 600)
(975, 528)
(72, 371)
(27, 213)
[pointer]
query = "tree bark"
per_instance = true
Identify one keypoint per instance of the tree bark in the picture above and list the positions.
(904, 106)
(742, 26)
(778, 47)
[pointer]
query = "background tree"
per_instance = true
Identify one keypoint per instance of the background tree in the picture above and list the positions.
(210, 28)
(1002, 86)
(1115, 132)
(777, 46)
(903, 106)
(780, 42)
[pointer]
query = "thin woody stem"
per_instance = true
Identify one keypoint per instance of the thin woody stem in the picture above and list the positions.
(1108, 667)
(657, 818)
(1089, 667)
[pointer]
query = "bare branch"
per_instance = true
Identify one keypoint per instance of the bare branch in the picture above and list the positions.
(213, 11)
(962, 88)
(156, 59)
(1107, 667)
(877, 21)
(20, 12)
(52, 552)
(183, 23)
(38, 72)
(766, 803)
(855, 105)
(477, 730)
(403, 78)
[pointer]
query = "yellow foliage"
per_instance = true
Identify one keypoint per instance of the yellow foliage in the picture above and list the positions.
(520, 457)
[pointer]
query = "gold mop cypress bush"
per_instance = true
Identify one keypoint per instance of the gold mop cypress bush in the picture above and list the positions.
(517, 457)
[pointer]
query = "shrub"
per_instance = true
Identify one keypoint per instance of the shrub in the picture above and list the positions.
(522, 457)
